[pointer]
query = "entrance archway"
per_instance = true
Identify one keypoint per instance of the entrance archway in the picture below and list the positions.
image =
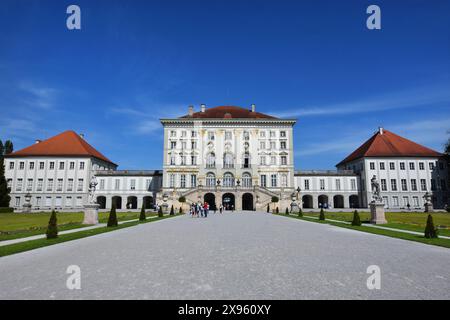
(247, 201)
(338, 201)
(117, 201)
(210, 198)
(307, 202)
(228, 201)
(323, 201)
(354, 201)
(131, 202)
(148, 202)
(101, 200)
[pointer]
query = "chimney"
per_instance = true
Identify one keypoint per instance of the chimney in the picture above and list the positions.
(37, 141)
(380, 130)
(202, 107)
(253, 107)
(191, 111)
(82, 135)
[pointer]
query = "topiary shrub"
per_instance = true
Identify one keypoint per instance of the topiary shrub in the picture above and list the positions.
(356, 219)
(322, 215)
(275, 199)
(52, 229)
(180, 211)
(268, 208)
(286, 211)
(447, 208)
(172, 212)
(277, 210)
(112, 220)
(142, 216)
(430, 231)
(300, 212)
(160, 212)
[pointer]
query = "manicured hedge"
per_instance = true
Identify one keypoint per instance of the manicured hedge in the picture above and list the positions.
(6, 210)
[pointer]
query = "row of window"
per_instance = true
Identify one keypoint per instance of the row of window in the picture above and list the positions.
(272, 145)
(228, 134)
(413, 185)
(228, 160)
(48, 202)
(337, 182)
(49, 185)
(131, 184)
(31, 165)
(412, 165)
(228, 180)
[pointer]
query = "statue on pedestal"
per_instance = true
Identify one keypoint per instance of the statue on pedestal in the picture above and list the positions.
(376, 206)
(91, 207)
(376, 190)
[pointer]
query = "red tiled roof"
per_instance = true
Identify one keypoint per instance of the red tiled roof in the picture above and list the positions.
(65, 144)
(229, 112)
(388, 144)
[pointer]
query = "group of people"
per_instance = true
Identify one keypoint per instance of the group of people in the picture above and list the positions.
(202, 209)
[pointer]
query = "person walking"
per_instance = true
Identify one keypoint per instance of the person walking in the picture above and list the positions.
(206, 208)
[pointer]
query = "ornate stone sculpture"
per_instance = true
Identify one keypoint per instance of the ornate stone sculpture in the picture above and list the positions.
(92, 187)
(376, 189)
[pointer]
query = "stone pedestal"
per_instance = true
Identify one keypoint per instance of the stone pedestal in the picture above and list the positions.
(294, 207)
(165, 208)
(377, 213)
(91, 213)
(26, 208)
(429, 207)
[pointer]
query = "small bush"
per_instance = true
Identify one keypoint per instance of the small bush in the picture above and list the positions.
(300, 212)
(112, 220)
(172, 212)
(430, 231)
(277, 210)
(180, 211)
(6, 210)
(356, 219)
(275, 199)
(160, 212)
(52, 229)
(447, 208)
(182, 199)
(142, 216)
(286, 211)
(322, 214)
(268, 208)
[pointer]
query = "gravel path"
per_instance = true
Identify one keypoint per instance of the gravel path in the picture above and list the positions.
(230, 256)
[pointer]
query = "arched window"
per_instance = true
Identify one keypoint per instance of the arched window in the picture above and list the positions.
(211, 160)
(246, 180)
(228, 161)
(210, 180)
(228, 180)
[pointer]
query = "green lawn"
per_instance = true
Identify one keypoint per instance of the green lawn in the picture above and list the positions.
(412, 221)
(20, 225)
(34, 244)
(394, 234)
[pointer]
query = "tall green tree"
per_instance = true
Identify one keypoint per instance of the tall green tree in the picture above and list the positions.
(52, 229)
(112, 219)
(4, 190)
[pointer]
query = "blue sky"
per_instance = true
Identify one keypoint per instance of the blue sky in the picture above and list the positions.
(134, 62)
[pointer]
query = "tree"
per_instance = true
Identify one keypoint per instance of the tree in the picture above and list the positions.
(300, 212)
(4, 190)
(322, 215)
(275, 199)
(8, 147)
(160, 212)
(277, 210)
(172, 212)
(430, 231)
(112, 220)
(447, 146)
(268, 208)
(52, 229)
(286, 211)
(180, 211)
(142, 216)
(356, 219)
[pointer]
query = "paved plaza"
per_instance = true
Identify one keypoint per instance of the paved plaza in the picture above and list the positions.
(230, 256)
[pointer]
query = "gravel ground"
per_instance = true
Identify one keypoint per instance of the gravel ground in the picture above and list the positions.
(230, 256)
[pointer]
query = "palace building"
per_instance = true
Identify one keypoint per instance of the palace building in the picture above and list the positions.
(227, 155)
